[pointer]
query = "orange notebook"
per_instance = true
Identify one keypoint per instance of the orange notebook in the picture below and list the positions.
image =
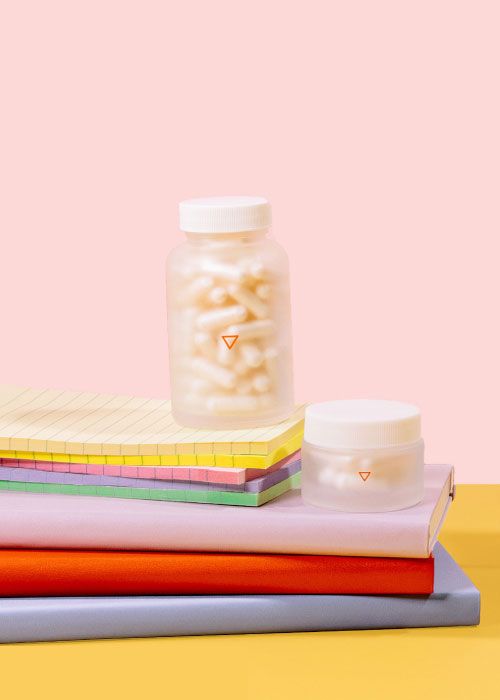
(38, 572)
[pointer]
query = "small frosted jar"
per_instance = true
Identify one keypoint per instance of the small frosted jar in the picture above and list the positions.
(229, 325)
(362, 456)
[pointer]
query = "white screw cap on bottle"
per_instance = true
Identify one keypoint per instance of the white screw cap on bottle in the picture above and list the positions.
(224, 214)
(361, 424)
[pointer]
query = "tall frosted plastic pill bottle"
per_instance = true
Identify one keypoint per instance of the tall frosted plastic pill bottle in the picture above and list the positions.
(362, 456)
(229, 322)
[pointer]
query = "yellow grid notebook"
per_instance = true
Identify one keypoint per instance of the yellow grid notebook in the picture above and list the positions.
(64, 426)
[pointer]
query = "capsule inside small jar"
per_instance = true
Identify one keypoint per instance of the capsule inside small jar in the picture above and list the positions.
(362, 456)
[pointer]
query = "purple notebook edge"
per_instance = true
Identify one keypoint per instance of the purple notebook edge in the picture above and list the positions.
(46, 477)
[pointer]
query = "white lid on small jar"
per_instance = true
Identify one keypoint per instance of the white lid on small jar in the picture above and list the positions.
(361, 424)
(224, 214)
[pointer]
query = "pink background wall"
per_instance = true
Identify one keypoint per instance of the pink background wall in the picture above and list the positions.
(373, 127)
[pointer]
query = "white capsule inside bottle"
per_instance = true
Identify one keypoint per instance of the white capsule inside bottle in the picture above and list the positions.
(196, 290)
(184, 339)
(205, 344)
(225, 356)
(218, 318)
(271, 360)
(244, 386)
(257, 270)
(251, 354)
(221, 270)
(261, 383)
(252, 329)
(240, 367)
(249, 300)
(263, 291)
(217, 295)
(200, 386)
(214, 373)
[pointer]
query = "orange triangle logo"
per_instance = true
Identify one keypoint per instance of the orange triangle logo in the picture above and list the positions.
(230, 340)
(364, 475)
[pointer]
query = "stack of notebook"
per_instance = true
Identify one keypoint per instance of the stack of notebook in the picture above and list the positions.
(125, 447)
(84, 567)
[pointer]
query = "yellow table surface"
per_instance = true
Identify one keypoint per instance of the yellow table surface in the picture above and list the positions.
(459, 662)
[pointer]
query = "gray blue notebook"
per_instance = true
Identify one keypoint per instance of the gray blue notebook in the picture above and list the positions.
(455, 601)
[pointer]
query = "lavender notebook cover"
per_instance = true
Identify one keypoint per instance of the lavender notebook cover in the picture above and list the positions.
(285, 525)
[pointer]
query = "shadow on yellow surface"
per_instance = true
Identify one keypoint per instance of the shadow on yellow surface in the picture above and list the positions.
(471, 532)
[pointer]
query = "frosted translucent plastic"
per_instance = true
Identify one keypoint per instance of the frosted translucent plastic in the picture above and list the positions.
(363, 480)
(229, 285)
